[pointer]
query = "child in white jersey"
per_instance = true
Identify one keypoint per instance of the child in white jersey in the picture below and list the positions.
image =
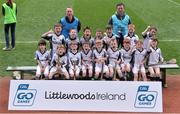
(139, 57)
(55, 38)
(132, 35)
(100, 59)
(115, 59)
(126, 52)
(59, 62)
(42, 57)
(155, 57)
(74, 59)
(148, 34)
(86, 57)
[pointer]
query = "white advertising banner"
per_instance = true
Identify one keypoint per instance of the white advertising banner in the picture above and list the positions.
(63, 95)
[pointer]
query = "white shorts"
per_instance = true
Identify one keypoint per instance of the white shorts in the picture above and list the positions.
(84, 67)
(46, 71)
(137, 68)
(71, 70)
(117, 66)
(99, 67)
(54, 69)
(111, 64)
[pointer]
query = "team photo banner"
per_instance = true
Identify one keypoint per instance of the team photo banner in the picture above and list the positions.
(63, 95)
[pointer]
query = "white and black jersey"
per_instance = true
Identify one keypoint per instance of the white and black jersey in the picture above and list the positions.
(99, 54)
(139, 56)
(126, 55)
(68, 42)
(55, 40)
(113, 55)
(42, 57)
(86, 56)
(133, 38)
(155, 56)
(74, 59)
(107, 40)
(90, 40)
(147, 39)
(59, 59)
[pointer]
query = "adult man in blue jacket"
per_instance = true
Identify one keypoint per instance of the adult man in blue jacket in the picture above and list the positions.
(69, 22)
(119, 22)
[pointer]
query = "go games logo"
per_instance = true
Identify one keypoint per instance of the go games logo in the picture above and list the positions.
(145, 98)
(24, 96)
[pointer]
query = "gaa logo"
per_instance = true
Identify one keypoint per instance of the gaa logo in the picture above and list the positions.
(145, 98)
(24, 96)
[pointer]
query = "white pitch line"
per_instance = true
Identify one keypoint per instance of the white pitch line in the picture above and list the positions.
(174, 2)
(169, 40)
(32, 42)
(24, 42)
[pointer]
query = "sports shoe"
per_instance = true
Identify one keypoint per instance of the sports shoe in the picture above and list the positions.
(13, 48)
(6, 49)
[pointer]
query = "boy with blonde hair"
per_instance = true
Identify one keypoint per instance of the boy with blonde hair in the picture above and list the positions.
(74, 59)
(131, 35)
(100, 58)
(139, 57)
(115, 59)
(87, 58)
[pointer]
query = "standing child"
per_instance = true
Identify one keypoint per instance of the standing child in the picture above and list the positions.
(100, 58)
(99, 36)
(108, 36)
(131, 35)
(55, 38)
(59, 62)
(148, 34)
(86, 55)
(115, 59)
(155, 57)
(139, 57)
(87, 37)
(72, 38)
(42, 57)
(74, 58)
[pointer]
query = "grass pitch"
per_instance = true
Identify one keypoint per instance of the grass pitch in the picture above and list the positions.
(38, 16)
